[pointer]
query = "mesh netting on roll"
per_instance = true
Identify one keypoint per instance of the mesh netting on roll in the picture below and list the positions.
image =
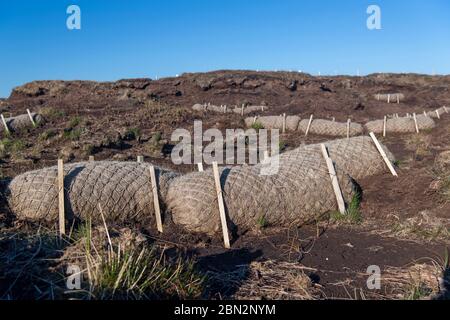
(123, 189)
(250, 109)
(300, 191)
(441, 111)
(228, 109)
(330, 128)
(390, 97)
(401, 125)
(21, 121)
(274, 122)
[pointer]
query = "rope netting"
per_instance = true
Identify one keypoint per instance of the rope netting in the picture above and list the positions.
(401, 125)
(440, 111)
(330, 128)
(274, 122)
(229, 109)
(390, 97)
(300, 190)
(122, 189)
(318, 126)
(21, 121)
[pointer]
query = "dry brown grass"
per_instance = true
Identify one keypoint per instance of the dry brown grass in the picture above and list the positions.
(271, 280)
(115, 264)
(426, 226)
(417, 282)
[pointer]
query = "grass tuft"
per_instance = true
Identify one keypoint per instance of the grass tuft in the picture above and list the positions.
(132, 134)
(353, 214)
(257, 126)
(140, 273)
(262, 222)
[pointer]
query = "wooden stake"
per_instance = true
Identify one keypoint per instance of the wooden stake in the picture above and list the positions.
(389, 98)
(254, 119)
(398, 98)
(438, 115)
(200, 167)
(61, 204)
(384, 126)
(445, 109)
(223, 217)
(383, 154)
(5, 124)
(31, 118)
(242, 110)
(284, 122)
(415, 122)
(334, 180)
(425, 113)
(348, 128)
(156, 199)
(309, 125)
(140, 159)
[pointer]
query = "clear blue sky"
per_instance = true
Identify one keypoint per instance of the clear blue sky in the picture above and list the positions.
(149, 38)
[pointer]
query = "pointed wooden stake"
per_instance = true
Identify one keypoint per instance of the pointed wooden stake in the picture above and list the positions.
(5, 124)
(334, 179)
(348, 128)
(156, 199)
(415, 122)
(61, 203)
(383, 154)
(309, 125)
(31, 118)
(223, 217)
(384, 126)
